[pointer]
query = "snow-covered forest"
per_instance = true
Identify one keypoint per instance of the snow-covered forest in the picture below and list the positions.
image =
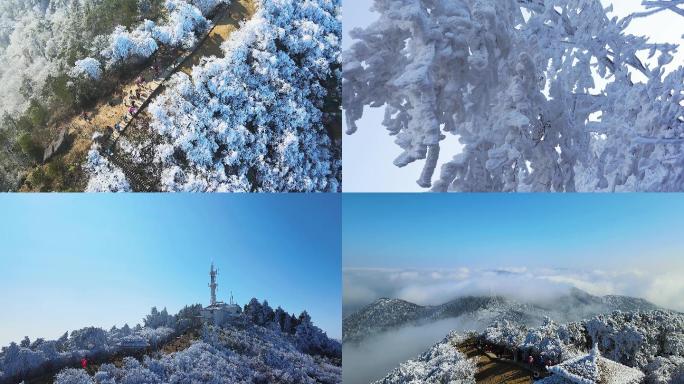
(263, 116)
(253, 120)
(650, 341)
(40, 41)
(543, 95)
(261, 345)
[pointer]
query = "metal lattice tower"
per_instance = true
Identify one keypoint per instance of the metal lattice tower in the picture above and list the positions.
(213, 285)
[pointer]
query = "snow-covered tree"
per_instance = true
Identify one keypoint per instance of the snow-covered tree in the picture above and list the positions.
(312, 340)
(254, 312)
(89, 67)
(105, 176)
(73, 376)
(520, 83)
(89, 339)
(123, 45)
(442, 363)
(185, 22)
(158, 319)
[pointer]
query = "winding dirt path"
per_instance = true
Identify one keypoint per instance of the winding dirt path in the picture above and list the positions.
(491, 371)
(115, 108)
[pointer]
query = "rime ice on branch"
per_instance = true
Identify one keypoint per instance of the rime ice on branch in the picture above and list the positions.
(515, 81)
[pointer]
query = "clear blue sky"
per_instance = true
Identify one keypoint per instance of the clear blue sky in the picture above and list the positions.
(69, 261)
(501, 230)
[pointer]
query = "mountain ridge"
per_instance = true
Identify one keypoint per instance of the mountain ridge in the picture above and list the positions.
(385, 314)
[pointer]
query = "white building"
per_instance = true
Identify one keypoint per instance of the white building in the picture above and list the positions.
(592, 369)
(133, 342)
(219, 312)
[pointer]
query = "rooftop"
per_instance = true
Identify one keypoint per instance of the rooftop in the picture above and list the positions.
(593, 369)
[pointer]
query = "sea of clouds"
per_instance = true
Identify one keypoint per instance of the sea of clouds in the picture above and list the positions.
(664, 287)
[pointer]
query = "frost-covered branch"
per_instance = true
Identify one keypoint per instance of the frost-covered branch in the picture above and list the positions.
(520, 84)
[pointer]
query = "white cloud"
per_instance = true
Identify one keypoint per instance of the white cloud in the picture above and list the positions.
(430, 287)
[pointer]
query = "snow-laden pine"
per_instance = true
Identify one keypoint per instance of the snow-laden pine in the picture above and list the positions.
(521, 84)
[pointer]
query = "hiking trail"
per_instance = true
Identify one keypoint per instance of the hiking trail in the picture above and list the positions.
(491, 370)
(116, 109)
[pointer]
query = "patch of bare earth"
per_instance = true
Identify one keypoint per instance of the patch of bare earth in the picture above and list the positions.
(494, 371)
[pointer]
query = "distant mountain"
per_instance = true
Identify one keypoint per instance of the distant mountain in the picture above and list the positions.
(386, 314)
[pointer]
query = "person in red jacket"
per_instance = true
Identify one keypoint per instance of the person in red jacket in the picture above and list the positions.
(84, 363)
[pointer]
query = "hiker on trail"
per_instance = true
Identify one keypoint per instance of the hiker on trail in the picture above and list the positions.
(132, 110)
(530, 360)
(84, 362)
(117, 127)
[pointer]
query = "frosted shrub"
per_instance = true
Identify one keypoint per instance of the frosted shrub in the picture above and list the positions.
(73, 376)
(104, 176)
(88, 67)
(185, 21)
(124, 45)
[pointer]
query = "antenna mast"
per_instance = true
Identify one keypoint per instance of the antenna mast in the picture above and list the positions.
(213, 285)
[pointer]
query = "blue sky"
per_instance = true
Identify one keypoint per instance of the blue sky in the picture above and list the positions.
(431, 248)
(498, 230)
(69, 261)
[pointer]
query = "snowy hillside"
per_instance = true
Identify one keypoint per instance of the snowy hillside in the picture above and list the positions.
(442, 363)
(650, 341)
(262, 345)
(232, 354)
(385, 314)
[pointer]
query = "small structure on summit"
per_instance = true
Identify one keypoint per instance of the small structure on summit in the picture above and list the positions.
(592, 369)
(133, 342)
(219, 312)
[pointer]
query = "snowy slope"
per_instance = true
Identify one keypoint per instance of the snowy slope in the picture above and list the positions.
(442, 363)
(650, 341)
(231, 354)
(261, 345)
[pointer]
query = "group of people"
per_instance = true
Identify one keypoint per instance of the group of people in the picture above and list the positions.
(133, 100)
(540, 362)
(534, 361)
